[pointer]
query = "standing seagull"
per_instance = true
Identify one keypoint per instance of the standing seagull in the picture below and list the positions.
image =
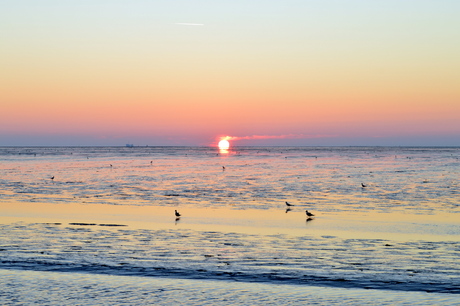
(287, 204)
(52, 178)
(177, 213)
(362, 185)
(309, 214)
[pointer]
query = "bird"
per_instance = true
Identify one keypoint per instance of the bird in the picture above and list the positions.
(52, 177)
(223, 168)
(309, 214)
(362, 185)
(287, 204)
(177, 213)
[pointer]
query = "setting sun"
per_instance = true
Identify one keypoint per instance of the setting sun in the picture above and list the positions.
(224, 144)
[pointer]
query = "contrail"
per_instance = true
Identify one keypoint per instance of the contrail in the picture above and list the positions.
(189, 24)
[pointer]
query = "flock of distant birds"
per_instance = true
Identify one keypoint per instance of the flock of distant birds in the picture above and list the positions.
(288, 209)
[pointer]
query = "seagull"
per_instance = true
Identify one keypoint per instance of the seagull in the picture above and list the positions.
(52, 177)
(177, 213)
(309, 213)
(223, 168)
(362, 185)
(287, 204)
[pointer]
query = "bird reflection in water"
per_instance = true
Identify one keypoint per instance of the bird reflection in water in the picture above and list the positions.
(177, 214)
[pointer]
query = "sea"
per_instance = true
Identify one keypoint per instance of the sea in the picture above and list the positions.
(96, 226)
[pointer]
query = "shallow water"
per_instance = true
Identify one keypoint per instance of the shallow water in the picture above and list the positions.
(56, 288)
(399, 234)
(419, 180)
(312, 260)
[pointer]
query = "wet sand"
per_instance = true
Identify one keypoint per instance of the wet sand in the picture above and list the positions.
(394, 226)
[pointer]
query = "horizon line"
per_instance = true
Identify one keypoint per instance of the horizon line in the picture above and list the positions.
(233, 146)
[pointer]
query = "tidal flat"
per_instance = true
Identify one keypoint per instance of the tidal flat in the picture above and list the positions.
(105, 226)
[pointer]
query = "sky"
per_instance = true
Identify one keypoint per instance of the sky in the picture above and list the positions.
(189, 72)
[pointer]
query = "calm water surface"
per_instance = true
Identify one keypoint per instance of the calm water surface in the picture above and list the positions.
(412, 181)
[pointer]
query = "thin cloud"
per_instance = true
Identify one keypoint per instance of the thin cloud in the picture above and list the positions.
(287, 136)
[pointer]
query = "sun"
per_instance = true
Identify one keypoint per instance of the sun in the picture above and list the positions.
(224, 144)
